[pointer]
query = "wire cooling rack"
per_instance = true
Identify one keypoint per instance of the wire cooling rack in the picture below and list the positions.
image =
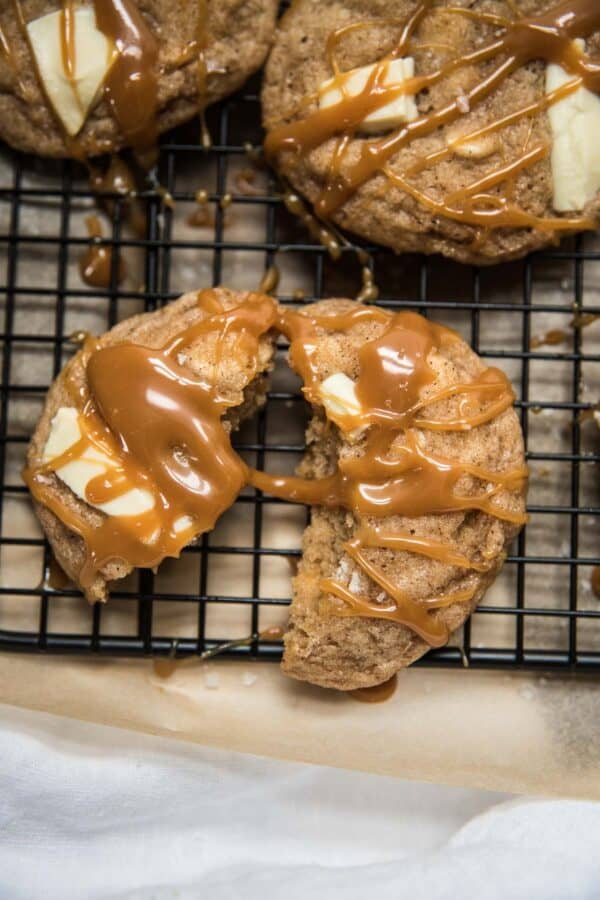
(540, 613)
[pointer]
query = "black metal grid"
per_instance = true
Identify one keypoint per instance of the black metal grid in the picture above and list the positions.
(541, 585)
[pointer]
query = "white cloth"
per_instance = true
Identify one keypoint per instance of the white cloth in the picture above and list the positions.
(93, 812)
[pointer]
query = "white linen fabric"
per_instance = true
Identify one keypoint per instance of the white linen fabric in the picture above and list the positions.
(91, 812)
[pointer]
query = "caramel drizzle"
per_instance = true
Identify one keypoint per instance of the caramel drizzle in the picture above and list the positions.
(67, 42)
(131, 86)
(394, 475)
(549, 36)
(163, 429)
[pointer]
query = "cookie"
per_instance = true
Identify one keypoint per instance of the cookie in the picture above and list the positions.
(171, 61)
(415, 468)
(131, 459)
(461, 128)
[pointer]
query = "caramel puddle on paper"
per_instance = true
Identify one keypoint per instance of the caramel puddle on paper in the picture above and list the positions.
(377, 694)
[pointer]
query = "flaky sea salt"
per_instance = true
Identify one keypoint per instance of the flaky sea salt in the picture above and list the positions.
(343, 569)
(463, 103)
(248, 679)
(355, 584)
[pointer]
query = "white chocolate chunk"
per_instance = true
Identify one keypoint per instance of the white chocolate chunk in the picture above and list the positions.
(94, 53)
(64, 432)
(398, 111)
(338, 393)
(76, 474)
(575, 160)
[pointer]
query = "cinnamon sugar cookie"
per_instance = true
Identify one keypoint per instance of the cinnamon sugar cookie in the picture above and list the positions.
(138, 67)
(415, 468)
(465, 128)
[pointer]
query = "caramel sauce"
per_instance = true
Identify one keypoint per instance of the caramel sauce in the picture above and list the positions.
(550, 338)
(369, 291)
(162, 426)
(67, 42)
(56, 578)
(559, 335)
(95, 266)
(131, 86)
(270, 280)
(316, 229)
(118, 178)
(595, 581)
(245, 182)
(202, 216)
(549, 36)
(379, 693)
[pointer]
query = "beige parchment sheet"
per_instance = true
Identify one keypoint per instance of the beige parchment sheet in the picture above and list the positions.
(514, 732)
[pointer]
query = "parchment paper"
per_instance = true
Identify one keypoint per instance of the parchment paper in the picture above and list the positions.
(518, 732)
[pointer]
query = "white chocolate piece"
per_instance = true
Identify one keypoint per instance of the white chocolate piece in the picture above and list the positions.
(338, 394)
(397, 112)
(76, 474)
(575, 160)
(94, 53)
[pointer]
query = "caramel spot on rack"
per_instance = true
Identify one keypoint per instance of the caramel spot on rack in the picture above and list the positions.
(595, 581)
(96, 264)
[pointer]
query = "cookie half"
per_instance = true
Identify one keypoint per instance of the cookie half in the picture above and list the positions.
(427, 457)
(131, 459)
(467, 129)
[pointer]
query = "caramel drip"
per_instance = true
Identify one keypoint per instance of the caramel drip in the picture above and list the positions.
(162, 426)
(56, 579)
(201, 217)
(270, 280)
(96, 265)
(118, 178)
(315, 228)
(67, 41)
(131, 86)
(379, 693)
(549, 36)
(370, 536)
